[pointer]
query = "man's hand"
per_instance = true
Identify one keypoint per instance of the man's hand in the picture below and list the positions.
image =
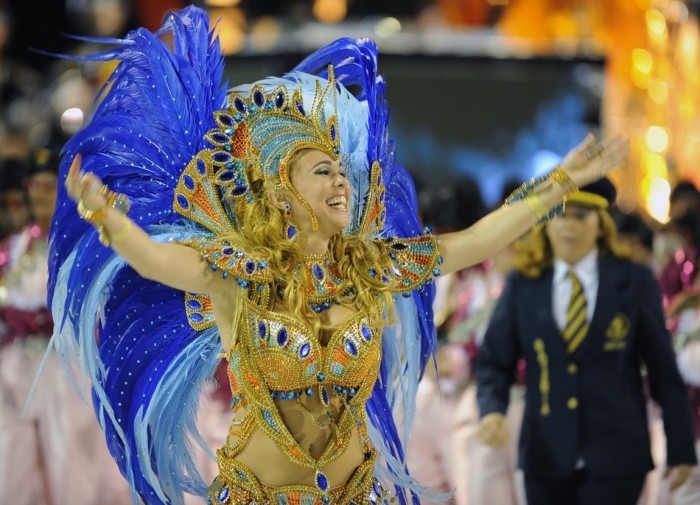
(493, 430)
(679, 475)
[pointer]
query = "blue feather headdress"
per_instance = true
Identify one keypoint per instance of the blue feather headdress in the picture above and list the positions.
(131, 337)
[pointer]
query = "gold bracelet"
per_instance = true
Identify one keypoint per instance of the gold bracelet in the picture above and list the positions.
(536, 205)
(94, 217)
(116, 200)
(564, 180)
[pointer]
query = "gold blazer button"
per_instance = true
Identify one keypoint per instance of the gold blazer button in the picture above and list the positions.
(572, 403)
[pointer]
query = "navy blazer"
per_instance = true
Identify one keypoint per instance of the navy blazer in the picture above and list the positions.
(590, 404)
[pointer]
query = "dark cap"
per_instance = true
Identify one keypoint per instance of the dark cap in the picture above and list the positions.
(600, 194)
(45, 159)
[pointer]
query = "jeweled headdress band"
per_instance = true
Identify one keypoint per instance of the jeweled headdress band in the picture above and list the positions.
(263, 130)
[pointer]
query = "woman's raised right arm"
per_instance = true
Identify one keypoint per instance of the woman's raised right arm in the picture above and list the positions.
(175, 265)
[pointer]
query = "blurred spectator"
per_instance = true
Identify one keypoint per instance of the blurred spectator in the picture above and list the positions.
(685, 198)
(681, 268)
(14, 210)
(637, 236)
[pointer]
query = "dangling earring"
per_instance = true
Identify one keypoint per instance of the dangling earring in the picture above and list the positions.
(289, 229)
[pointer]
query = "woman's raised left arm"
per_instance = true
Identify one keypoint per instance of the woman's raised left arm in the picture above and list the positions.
(586, 163)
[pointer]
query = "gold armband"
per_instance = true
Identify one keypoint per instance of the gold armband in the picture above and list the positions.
(95, 217)
(564, 180)
(538, 208)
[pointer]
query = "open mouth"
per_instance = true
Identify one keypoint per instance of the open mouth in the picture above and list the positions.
(338, 203)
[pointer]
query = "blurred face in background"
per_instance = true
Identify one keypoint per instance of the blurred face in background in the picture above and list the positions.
(41, 189)
(14, 212)
(575, 234)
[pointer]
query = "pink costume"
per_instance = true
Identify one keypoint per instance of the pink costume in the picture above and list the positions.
(54, 455)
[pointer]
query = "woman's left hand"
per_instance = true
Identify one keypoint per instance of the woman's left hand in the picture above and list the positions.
(591, 160)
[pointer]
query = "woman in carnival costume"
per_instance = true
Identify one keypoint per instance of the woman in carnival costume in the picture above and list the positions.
(269, 225)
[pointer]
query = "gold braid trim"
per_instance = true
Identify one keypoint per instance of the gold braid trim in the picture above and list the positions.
(543, 361)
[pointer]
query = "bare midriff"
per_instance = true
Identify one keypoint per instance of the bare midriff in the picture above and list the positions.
(272, 466)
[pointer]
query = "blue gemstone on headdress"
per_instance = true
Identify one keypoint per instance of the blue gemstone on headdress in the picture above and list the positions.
(197, 317)
(258, 98)
(324, 397)
(282, 336)
(227, 251)
(219, 137)
(226, 175)
(225, 119)
(321, 481)
(332, 131)
(317, 271)
(262, 329)
(250, 266)
(239, 190)
(221, 157)
(194, 304)
(189, 182)
(223, 494)
(304, 350)
(398, 246)
(350, 347)
(291, 232)
(183, 202)
(366, 333)
(201, 167)
(279, 100)
(300, 107)
(239, 104)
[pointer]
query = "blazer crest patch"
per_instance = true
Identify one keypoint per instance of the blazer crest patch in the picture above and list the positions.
(616, 333)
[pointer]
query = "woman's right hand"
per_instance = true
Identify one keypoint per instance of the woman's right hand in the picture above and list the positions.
(84, 187)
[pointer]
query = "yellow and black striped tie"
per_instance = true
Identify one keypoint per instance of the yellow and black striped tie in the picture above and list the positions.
(576, 316)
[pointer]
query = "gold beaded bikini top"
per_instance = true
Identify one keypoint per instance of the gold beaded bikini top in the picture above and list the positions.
(290, 358)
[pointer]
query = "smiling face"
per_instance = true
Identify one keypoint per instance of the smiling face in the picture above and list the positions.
(321, 182)
(575, 234)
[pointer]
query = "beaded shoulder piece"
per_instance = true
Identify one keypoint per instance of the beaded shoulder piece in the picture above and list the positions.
(415, 261)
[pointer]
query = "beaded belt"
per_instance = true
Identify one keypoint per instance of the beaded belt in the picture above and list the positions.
(237, 485)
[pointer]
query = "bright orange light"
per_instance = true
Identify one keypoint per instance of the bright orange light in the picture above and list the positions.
(658, 91)
(330, 11)
(657, 139)
(657, 199)
(230, 25)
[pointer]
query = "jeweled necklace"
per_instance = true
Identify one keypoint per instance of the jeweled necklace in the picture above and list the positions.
(327, 285)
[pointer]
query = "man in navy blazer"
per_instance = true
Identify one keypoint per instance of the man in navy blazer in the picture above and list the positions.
(590, 327)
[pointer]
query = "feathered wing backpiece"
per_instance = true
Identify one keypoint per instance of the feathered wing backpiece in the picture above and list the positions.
(131, 336)
(408, 347)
